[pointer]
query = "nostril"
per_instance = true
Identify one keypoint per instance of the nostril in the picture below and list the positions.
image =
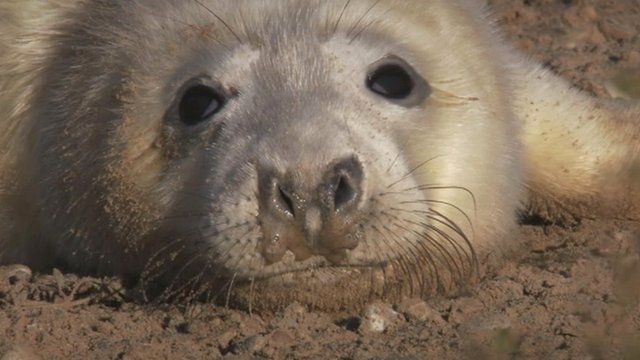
(344, 193)
(285, 202)
(278, 197)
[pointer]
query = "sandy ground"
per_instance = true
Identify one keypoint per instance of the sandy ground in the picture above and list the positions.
(573, 295)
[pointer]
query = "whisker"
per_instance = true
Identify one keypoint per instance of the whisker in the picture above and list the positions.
(245, 26)
(355, 26)
(436, 187)
(461, 188)
(223, 255)
(251, 293)
(165, 17)
(200, 287)
(159, 263)
(170, 291)
(198, 196)
(224, 23)
(400, 261)
(367, 26)
(232, 227)
(187, 216)
(394, 162)
(208, 290)
(465, 238)
(443, 97)
(238, 259)
(429, 215)
(424, 258)
(154, 262)
(404, 177)
(458, 209)
(448, 81)
(381, 261)
(440, 218)
(362, 30)
(233, 278)
(459, 250)
(187, 233)
(337, 24)
(446, 256)
(415, 253)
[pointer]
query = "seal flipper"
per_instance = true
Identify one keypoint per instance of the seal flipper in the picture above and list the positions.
(582, 154)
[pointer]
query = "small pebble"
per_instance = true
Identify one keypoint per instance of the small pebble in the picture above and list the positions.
(15, 273)
(280, 338)
(417, 309)
(379, 317)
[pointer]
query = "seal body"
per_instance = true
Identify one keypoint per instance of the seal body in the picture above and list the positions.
(285, 150)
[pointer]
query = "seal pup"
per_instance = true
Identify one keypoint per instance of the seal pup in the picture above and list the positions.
(326, 152)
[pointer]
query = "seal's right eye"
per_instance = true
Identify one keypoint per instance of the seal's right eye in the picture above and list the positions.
(199, 103)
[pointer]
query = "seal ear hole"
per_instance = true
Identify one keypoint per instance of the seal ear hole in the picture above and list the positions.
(199, 103)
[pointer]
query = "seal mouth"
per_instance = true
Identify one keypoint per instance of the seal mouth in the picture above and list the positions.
(328, 287)
(291, 265)
(335, 287)
(317, 268)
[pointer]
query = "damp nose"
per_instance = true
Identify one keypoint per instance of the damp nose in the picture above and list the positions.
(339, 191)
(342, 186)
(310, 214)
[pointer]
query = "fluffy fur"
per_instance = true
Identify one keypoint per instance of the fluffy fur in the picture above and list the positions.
(98, 174)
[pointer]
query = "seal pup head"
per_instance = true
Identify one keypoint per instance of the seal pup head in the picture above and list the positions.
(276, 151)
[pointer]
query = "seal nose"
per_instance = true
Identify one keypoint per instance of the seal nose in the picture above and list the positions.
(338, 192)
(342, 186)
(310, 215)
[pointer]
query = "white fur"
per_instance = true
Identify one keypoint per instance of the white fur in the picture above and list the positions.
(494, 125)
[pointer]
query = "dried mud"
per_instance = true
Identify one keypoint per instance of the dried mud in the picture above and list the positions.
(574, 294)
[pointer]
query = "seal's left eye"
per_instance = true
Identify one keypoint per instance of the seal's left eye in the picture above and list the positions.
(395, 80)
(391, 81)
(199, 103)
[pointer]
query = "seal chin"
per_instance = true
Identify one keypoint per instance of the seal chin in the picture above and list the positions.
(331, 288)
(327, 288)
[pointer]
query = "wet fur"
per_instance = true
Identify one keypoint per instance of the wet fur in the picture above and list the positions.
(93, 177)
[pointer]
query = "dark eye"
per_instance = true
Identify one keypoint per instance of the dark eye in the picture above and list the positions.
(391, 81)
(199, 103)
(397, 81)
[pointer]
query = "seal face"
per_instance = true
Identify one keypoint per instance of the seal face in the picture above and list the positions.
(217, 145)
(320, 151)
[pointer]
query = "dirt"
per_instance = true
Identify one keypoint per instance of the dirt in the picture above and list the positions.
(574, 294)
